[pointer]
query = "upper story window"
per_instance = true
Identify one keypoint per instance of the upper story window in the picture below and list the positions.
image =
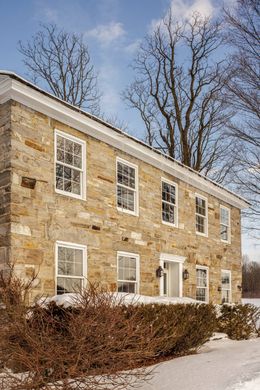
(202, 289)
(127, 272)
(71, 267)
(169, 202)
(70, 164)
(225, 286)
(225, 224)
(201, 215)
(127, 183)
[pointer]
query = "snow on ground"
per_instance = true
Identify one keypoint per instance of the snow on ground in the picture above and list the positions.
(222, 364)
(252, 301)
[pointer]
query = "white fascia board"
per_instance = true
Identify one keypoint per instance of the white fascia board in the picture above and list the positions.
(38, 101)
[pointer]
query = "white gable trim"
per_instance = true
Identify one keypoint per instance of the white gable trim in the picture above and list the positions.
(37, 100)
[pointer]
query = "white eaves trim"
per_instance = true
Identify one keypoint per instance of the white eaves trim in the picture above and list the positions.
(41, 101)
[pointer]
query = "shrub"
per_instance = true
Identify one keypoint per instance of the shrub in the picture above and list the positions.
(97, 343)
(180, 328)
(239, 322)
(90, 344)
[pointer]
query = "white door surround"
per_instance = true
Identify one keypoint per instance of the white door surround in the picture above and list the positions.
(171, 259)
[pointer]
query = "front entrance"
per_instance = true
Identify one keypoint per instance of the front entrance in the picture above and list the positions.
(171, 281)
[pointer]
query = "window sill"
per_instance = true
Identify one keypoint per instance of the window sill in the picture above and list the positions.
(170, 224)
(70, 195)
(125, 211)
(201, 234)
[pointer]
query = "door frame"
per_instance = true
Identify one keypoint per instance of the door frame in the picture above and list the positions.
(170, 258)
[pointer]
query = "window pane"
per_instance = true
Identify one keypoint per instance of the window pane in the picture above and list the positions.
(125, 175)
(224, 216)
(200, 224)
(68, 285)
(68, 145)
(168, 213)
(168, 193)
(201, 206)
(201, 294)
(69, 158)
(70, 261)
(125, 198)
(201, 277)
(60, 142)
(127, 287)
(60, 155)
(68, 170)
(126, 268)
(224, 232)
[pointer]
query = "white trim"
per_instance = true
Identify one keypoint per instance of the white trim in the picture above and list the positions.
(136, 190)
(84, 265)
(228, 271)
(176, 211)
(39, 100)
(83, 170)
(197, 195)
(170, 258)
(137, 257)
(203, 267)
(228, 241)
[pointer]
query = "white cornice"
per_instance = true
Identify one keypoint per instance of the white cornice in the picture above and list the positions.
(15, 88)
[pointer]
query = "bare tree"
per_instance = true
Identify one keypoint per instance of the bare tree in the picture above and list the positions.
(62, 60)
(177, 93)
(250, 278)
(243, 92)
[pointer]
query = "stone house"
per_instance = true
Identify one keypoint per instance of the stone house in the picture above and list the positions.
(81, 200)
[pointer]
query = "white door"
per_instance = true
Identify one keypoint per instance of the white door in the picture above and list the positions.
(166, 279)
(171, 281)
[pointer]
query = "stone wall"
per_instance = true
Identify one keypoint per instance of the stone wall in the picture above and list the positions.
(5, 182)
(40, 217)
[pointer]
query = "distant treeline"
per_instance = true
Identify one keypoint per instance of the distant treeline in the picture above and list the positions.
(251, 279)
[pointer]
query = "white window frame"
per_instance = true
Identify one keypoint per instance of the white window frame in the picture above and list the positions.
(137, 257)
(136, 190)
(205, 234)
(175, 185)
(228, 241)
(202, 267)
(84, 265)
(230, 285)
(82, 170)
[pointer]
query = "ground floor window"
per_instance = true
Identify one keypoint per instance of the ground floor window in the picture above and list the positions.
(127, 272)
(225, 286)
(202, 283)
(71, 267)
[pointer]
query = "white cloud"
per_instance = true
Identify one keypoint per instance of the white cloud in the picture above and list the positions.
(107, 33)
(132, 48)
(183, 10)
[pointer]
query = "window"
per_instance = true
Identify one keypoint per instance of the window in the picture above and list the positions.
(128, 272)
(201, 215)
(127, 194)
(169, 203)
(225, 286)
(225, 224)
(71, 267)
(202, 284)
(70, 156)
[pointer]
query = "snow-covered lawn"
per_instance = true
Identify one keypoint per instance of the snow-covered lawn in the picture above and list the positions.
(221, 365)
(253, 301)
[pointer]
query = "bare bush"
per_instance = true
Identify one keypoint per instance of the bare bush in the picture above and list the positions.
(93, 345)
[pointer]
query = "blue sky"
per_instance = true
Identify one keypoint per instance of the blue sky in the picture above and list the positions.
(113, 29)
